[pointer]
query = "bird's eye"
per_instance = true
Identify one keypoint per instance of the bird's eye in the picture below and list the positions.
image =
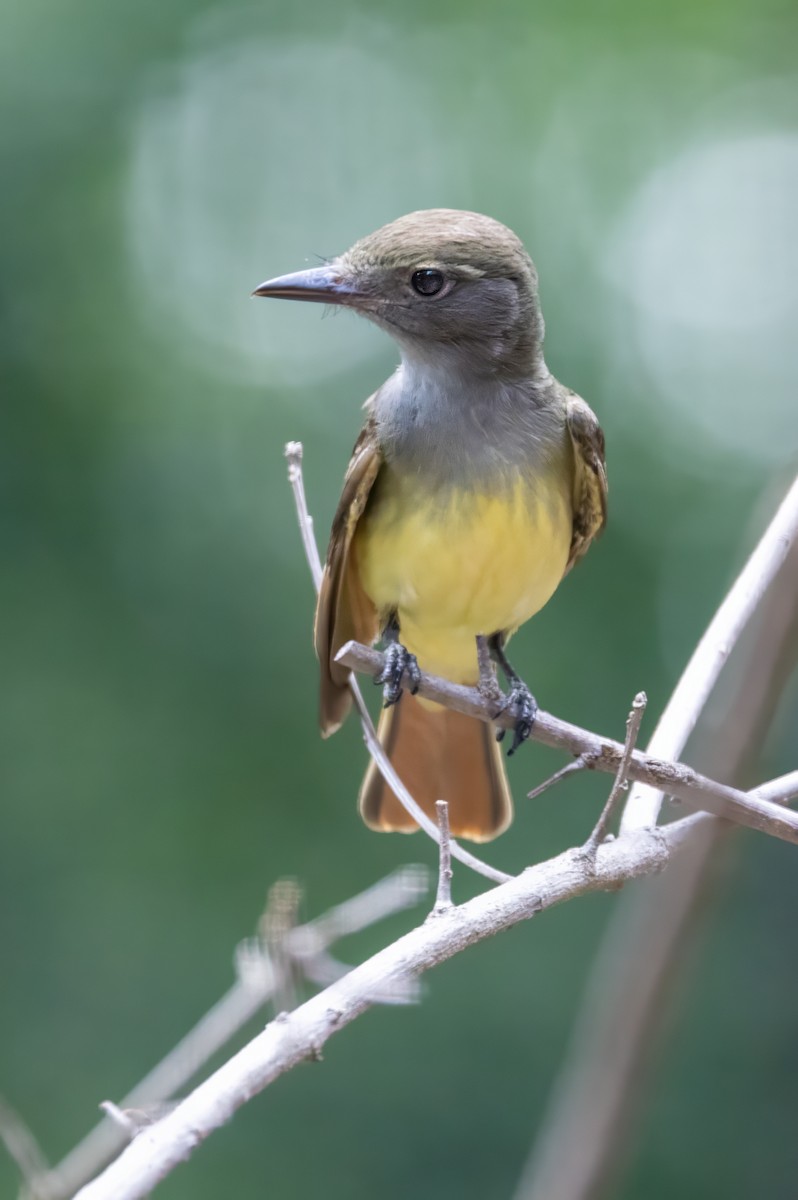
(427, 282)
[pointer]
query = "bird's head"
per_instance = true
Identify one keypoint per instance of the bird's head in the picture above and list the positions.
(445, 284)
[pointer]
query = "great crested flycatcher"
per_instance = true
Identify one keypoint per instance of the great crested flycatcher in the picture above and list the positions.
(476, 483)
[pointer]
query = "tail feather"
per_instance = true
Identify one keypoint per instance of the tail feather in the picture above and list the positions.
(439, 755)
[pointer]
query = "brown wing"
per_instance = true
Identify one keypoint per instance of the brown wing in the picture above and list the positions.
(344, 611)
(590, 476)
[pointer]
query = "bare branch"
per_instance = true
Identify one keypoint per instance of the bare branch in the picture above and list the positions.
(619, 784)
(700, 675)
(680, 780)
(293, 452)
(443, 900)
(299, 1036)
(255, 985)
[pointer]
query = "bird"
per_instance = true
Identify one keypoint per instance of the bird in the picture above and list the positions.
(476, 483)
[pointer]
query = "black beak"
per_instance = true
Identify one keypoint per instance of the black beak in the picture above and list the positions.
(325, 285)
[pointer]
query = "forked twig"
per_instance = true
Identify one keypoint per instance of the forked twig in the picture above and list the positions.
(256, 984)
(620, 782)
(582, 762)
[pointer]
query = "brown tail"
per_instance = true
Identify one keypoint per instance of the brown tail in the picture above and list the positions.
(439, 755)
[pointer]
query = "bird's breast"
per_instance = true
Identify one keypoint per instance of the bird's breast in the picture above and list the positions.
(459, 562)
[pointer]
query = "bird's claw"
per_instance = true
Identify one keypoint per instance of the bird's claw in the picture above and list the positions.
(524, 708)
(398, 663)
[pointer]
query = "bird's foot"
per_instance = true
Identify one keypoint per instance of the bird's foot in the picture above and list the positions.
(524, 708)
(398, 663)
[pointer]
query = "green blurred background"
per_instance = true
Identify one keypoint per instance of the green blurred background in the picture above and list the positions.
(161, 765)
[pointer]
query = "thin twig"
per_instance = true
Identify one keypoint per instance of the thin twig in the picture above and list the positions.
(300, 1035)
(619, 783)
(323, 969)
(293, 452)
(781, 790)
(443, 900)
(400, 890)
(254, 987)
(680, 780)
(700, 675)
(582, 762)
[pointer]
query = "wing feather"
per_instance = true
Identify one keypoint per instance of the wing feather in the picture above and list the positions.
(590, 476)
(344, 611)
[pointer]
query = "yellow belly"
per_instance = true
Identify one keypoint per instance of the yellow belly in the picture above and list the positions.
(461, 565)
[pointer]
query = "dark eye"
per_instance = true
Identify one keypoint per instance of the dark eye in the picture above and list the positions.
(427, 282)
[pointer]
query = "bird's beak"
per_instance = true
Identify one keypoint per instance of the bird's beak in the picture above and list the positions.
(325, 285)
